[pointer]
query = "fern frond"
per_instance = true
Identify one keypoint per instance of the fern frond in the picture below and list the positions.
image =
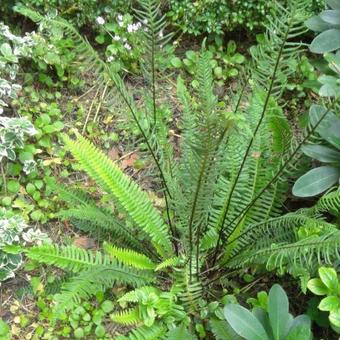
(285, 28)
(99, 278)
(137, 295)
(329, 202)
(324, 249)
(129, 257)
(123, 189)
(157, 331)
(127, 317)
(69, 258)
(93, 219)
(171, 262)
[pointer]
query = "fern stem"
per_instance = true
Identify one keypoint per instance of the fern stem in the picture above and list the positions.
(275, 177)
(193, 210)
(221, 138)
(245, 157)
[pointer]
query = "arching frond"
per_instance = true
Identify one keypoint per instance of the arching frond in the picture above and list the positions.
(129, 257)
(123, 189)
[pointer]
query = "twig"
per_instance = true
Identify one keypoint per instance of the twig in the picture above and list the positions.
(89, 112)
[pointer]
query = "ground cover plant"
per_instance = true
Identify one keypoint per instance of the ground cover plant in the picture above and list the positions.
(201, 216)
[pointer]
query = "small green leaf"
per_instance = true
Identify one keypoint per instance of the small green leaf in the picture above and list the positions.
(317, 287)
(4, 330)
(107, 306)
(100, 331)
(176, 62)
(334, 318)
(329, 303)
(13, 186)
(329, 277)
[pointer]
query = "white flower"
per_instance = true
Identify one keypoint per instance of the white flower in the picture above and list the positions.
(109, 59)
(145, 21)
(120, 17)
(100, 21)
(127, 46)
(116, 38)
(161, 34)
(133, 27)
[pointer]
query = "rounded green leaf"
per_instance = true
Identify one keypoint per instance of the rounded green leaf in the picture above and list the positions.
(278, 310)
(316, 24)
(4, 330)
(107, 306)
(13, 186)
(317, 287)
(329, 277)
(321, 153)
(334, 318)
(327, 41)
(331, 16)
(316, 181)
(100, 331)
(176, 62)
(244, 322)
(329, 303)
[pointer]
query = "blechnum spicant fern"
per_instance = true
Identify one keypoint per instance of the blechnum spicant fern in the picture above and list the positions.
(223, 191)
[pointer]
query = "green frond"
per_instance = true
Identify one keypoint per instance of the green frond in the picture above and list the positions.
(157, 331)
(99, 278)
(308, 252)
(87, 216)
(329, 202)
(138, 294)
(171, 262)
(123, 189)
(281, 40)
(69, 258)
(129, 257)
(127, 317)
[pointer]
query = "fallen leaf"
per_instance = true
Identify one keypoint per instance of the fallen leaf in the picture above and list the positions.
(113, 154)
(128, 161)
(84, 242)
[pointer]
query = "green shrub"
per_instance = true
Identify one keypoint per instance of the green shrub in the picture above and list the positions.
(79, 12)
(218, 16)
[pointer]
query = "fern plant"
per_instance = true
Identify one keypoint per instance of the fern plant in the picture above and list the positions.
(224, 191)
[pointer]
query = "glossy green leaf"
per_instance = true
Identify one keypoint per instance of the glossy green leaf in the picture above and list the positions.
(244, 322)
(334, 318)
(329, 277)
(317, 287)
(321, 153)
(330, 303)
(316, 181)
(278, 310)
(326, 41)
